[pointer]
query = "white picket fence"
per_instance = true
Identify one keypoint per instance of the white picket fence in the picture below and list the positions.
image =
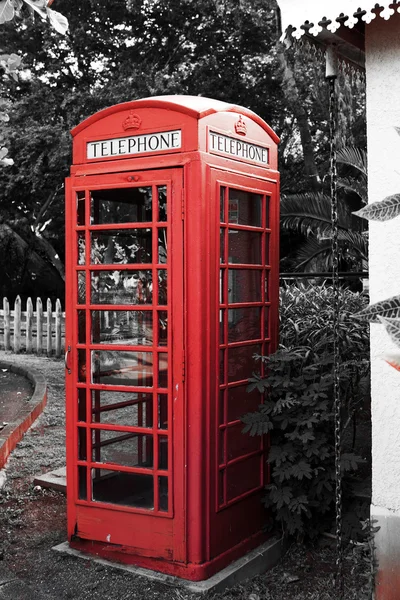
(40, 331)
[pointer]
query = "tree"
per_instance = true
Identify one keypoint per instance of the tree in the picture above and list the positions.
(309, 214)
(128, 49)
(32, 254)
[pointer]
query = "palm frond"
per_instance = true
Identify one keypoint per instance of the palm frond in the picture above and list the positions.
(350, 242)
(354, 157)
(310, 213)
(354, 242)
(311, 249)
(354, 186)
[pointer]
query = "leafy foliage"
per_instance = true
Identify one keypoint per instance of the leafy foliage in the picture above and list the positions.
(298, 412)
(353, 157)
(386, 209)
(308, 212)
(9, 9)
(389, 308)
(386, 311)
(116, 52)
(306, 317)
(309, 215)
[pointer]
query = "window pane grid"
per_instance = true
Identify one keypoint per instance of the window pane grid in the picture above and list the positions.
(244, 328)
(99, 232)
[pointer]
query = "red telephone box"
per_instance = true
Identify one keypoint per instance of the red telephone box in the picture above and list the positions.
(172, 266)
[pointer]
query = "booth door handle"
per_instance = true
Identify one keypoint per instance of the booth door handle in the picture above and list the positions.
(66, 360)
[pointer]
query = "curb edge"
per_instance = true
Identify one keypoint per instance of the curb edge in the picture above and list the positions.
(13, 432)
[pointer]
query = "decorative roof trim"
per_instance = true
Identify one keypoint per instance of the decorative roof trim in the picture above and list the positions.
(313, 16)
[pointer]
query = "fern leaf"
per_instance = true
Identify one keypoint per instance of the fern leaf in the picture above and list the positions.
(386, 209)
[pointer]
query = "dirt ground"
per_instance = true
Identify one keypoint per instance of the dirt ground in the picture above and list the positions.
(33, 520)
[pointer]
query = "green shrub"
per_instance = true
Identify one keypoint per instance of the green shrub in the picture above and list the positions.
(306, 320)
(297, 412)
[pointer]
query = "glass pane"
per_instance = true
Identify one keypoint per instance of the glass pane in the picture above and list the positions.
(127, 205)
(132, 246)
(267, 209)
(126, 449)
(241, 363)
(163, 370)
(244, 324)
(243, 477)
(221, 446)
(222, 204)
(266, 285)
(221, 419)
(163, 411)
(122, 368)
(222, 366)
(163, 493)
(82, 365)
(124, 489)
(129, 328)
(133, 409)
(162, 287)
(81, 287)
(222, 327)
(82, 492)
(81, 404)
(241, 402)
(162, 328)
(163, 453)
(221, 486)
(80, 208)
(266, 322)
(244, 247)
(121, 287)
(162, 246)
(222, 275)
(244, 285)
(240, 444)
(233, 208)
(245, 208)
(81, 327)
(222, 245)
(81, 248)
(82, 443)
(267, 248)
(162, 202)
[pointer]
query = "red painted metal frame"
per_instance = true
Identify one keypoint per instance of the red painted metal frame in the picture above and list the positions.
(198, 535)
(172, 179)
(225, 184)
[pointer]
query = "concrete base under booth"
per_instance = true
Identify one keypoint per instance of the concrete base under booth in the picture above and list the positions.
(254, 563)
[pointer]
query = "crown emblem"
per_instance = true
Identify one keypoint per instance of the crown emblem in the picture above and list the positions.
(132, 121)
(240, 126)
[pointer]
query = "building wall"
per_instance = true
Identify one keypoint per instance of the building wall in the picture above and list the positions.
(383, 115)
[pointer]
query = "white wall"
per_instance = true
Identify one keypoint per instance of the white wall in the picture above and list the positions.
(383, 114)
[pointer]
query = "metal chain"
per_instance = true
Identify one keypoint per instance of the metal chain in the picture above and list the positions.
(335, 318)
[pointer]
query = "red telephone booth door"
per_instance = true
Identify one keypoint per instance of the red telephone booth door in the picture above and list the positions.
(124, 403)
